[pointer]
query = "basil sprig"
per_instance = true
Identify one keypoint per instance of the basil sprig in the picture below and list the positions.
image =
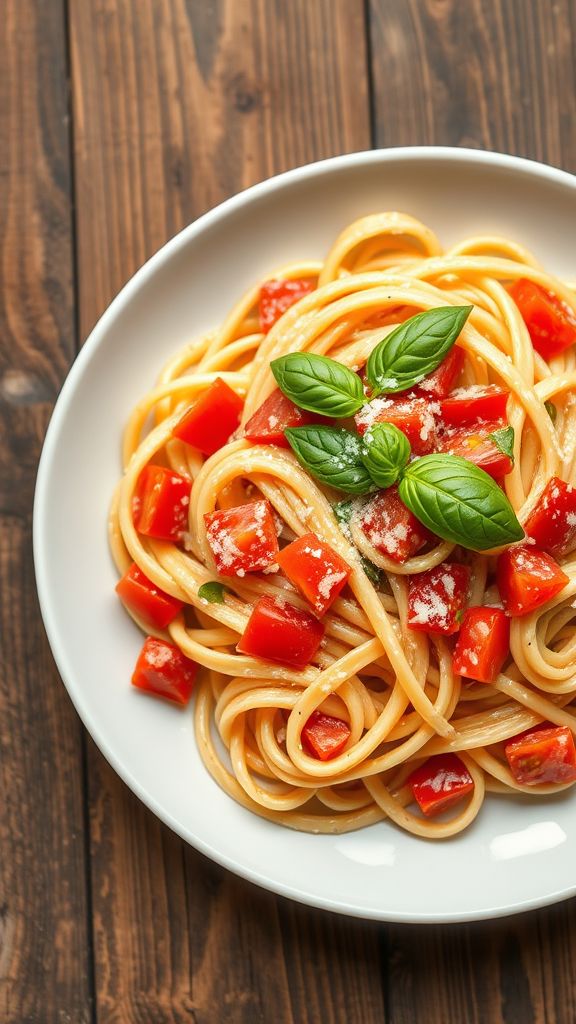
(459, 502)
(386, 452)
(504, 441)
(213, 592)
(319, 384)
(414, 349)
(332, 455)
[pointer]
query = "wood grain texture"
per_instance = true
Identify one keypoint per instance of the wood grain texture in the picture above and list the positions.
(492, 74)
(44, 956)
(176, 106)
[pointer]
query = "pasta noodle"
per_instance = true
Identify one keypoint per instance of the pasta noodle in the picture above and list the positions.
(394, 687)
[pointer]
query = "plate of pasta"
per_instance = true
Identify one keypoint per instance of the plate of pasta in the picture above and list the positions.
(305, 534)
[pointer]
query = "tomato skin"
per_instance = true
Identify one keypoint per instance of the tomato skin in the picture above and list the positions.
(209, 422)
(483, 644)
(474, 443)
(436, 597)
(391, 528)
(160, 503)
(542, 755)
(527, 578)
(440, 382)
(441, 781)
(164, 671)
(279, 632)
(242, 539)
(276, 413)
(325, 736)
(316, 569)
(551, 323)
(415, 417)
(477, 403)
(146, 600)
(277, 296)
(552, 523)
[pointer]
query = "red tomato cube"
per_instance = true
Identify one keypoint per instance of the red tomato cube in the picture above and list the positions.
(279, 632)
(527, 578)
(391, 528)
(209, 422)
(552, 523)
(160, 503)
(440, 382)
(316, 569)
(479, 402)
(146, 600)
(440, 782)
(277, 296)
(276, 413)
(551, 323)
(483, 644)
(474, 443)
(325, 736)
(416, 417)
(543, 755)
(164, 671)
(437, 597)
(242, 539)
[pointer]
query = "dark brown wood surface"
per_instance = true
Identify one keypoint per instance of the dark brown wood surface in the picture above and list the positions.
(120, 121)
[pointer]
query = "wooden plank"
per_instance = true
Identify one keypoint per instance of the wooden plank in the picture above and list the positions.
(491, 74)
(44, 954)
(178, 105)
(496, 74)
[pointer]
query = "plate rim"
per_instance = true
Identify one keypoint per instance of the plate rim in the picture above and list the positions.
(522, 165)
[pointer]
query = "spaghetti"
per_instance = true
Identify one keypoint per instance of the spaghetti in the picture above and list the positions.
(393, 687)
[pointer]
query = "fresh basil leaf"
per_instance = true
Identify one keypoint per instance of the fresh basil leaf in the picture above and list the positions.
(386, 452)
(373, 572)
(551, 410)
(343, 511)
(318, 384)
(415, 348)
(504, 441)
(459, 502)
(332, 455)
(212, 592)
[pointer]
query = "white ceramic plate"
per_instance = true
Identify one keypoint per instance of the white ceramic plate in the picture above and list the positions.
(518, 854)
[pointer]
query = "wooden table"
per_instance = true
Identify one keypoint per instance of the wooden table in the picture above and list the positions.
(120, 122)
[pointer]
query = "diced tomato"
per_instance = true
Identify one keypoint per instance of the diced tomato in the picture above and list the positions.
(325, 736)
(440, 382)
(391, 528)
(414, 416)
(436, 598)
(528, 578)
(163, 670)
(483, 644)
(160, 503)
(551, 322)
(277, 631)
(543, 755)
(242, 539)
(277, 296)
(475, 444)
(146, 600)
(552, 523)
(276, 413)
(475, 403)
(316, 569)
(440, 782)
(215, 415)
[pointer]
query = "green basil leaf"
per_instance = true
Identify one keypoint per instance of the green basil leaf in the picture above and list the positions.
(319, 384)
(386, 452)
(343, 511)
(459, 502)
(551, 410)
(212, 592)
(504, 441)
(415, 348)
(332, 455)
(373, 572)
